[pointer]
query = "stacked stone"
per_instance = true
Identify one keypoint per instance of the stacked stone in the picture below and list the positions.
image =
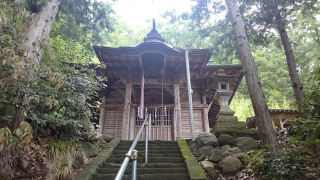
(225, 153)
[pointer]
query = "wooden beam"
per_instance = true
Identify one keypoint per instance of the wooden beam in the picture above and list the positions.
(132, 123)
(205, 115)
(126, 112)
(177, 113)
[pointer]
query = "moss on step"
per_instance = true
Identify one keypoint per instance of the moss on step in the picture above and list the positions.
(194, 168)
(86, 173)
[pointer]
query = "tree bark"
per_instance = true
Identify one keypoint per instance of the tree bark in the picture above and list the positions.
(296, 84)
(265, 128)
(38, 33)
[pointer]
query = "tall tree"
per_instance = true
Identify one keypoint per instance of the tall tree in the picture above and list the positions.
(91, 16)
(266, 130)
(268, 14)
(37, 34)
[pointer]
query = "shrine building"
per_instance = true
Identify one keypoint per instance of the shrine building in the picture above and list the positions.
(151, 78)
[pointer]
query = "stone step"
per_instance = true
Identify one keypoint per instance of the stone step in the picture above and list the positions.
(143, 170)
(150, 142)
(149, 165)
(177, 176)
(150, 160)
(123, 152)
(142, 154)
(149, 148)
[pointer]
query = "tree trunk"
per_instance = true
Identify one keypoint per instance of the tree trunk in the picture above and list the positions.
(296, 84)
(38, 33)
(266, 130)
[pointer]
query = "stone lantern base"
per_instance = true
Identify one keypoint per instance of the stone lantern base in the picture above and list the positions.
(230, 125)
(227, 123)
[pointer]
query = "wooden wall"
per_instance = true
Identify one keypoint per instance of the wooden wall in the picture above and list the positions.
(113, 121)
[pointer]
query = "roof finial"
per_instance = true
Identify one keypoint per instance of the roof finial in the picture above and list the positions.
(153, 34)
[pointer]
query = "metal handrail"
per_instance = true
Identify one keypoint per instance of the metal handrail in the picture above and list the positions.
(128, 155)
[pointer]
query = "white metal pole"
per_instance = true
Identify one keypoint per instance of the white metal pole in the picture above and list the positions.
(189, 94)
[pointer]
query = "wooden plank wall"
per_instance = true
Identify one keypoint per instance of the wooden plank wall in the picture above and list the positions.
(113, 122)
(161, 133)
(198, 125)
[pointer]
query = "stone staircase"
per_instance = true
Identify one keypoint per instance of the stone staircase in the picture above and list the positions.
(165, 162)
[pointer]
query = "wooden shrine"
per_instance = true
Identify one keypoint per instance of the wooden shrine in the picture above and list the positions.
(162, 68)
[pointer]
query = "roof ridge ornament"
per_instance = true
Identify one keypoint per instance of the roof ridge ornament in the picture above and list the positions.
(153, 34)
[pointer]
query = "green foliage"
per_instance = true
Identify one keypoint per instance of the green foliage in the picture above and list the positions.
(14, 66)
(12, 144)
(307, 130)
(243, 107)
(19, 138)
(288, 165)
(61, 99)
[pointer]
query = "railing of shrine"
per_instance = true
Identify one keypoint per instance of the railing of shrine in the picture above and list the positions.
(133, 154)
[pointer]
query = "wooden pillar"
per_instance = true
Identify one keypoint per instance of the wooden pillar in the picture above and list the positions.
(177, 113)
(102, 118)
(132, 123)
(126, 112)
(205, 119)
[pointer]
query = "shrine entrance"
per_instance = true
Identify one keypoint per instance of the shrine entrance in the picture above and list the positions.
(161, 127)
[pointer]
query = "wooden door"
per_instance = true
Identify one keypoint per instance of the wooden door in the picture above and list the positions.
(161, 125)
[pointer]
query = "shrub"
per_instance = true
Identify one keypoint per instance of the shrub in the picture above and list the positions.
(63, 156)
(288, 165)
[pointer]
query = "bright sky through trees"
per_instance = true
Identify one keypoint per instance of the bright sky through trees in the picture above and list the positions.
(135, 12)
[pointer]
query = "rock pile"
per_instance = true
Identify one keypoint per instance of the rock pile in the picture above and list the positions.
(223, 155)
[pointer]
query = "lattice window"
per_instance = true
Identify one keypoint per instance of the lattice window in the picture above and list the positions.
(160, 120)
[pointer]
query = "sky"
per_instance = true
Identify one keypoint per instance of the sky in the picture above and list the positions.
(135, 12)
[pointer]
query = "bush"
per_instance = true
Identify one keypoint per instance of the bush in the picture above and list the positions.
(288, 165)
(63, 157)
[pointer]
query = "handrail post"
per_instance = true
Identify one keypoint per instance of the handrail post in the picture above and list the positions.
(128, 155)
(134, 158)
(146, 125)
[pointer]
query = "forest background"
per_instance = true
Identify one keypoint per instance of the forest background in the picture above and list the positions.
(54, 94)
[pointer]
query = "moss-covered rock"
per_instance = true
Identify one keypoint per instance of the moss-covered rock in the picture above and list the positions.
(236, 132)
(225, 139)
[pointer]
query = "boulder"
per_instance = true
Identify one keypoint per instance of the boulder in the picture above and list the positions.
(194, 149)
(241, 156)
(230, 165)
(89, 149)
(107, 138)
(102, 142)
(191, 143)
(206, 139)
(209, 167)
(225, 139)
(246, 144)
(216, 155)
(205, 150)
(234, 150)
(202, 157)
(227, 153)
(225, 147)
